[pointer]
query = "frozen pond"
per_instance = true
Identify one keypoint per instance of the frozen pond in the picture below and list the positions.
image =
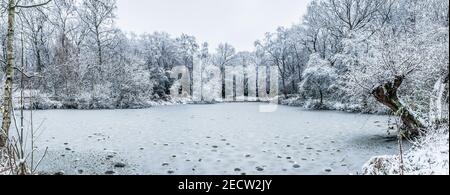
(210, 139)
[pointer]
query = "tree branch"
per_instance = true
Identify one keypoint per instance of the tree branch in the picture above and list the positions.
(26, 75)
(32, 6)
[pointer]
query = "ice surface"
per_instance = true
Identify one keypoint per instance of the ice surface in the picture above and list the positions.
(231, 138)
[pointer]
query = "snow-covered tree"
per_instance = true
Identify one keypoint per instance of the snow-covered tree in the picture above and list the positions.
(188, 48)
(223, 57)
(319, 78)
(406, 51)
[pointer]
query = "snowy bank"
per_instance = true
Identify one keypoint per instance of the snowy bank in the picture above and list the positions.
(429, 156)
(41, 101)
(312, 104)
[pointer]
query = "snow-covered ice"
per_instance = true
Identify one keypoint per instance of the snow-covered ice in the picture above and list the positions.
(231, 138)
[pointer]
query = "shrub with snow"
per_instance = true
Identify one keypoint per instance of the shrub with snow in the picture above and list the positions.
(4, 168)
(319, 80)
(429, 156)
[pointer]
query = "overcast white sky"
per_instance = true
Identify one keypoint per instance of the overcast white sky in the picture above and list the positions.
(238, 22)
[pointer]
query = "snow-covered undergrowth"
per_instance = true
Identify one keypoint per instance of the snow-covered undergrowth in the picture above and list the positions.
(313, 104)
(4, 169)
(429, 156)
(42, 101)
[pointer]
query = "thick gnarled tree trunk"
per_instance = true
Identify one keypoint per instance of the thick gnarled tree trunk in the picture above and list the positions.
(387, 95)
(7, 99)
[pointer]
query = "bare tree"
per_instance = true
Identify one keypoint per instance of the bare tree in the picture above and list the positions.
(225, 54)
(98, 17)
(7, 103)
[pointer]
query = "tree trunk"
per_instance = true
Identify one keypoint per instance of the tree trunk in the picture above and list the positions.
(38, 61)
(436, 102)
(387, 95)
(7, 99)
(222, 74)
(321, 97)
(99, 46)
(284, 81)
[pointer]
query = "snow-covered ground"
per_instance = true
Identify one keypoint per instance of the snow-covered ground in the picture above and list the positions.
(231, 138)
(429, 156)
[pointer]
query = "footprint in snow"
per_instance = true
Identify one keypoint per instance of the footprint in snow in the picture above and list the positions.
(110, 172)
(119, 165)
